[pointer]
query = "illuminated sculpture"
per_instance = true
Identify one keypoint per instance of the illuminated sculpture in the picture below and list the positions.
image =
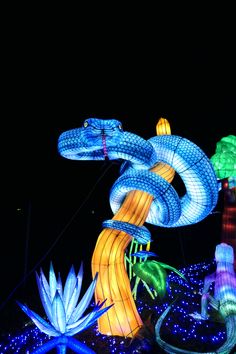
(63, 312)
(224, 158)
(131, 259)
(223, 300)
(224, 163)
(152, 274)
(142, 193)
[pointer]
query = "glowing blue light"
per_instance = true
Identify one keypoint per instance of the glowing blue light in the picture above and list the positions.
(63, 312)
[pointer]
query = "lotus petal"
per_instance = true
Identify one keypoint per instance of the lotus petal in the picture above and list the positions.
(86, 321)
(99, 314)
(59, 286)
(84, 302)
(58, 313)
(80, 276)
(73, 301)
(70, 284)
(44, 326)
(77, 326)
(52, 281)
(75, 295)
(96, 309)
(44, 296)
(45, 284)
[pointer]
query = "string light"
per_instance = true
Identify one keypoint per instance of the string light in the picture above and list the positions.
(180, 327)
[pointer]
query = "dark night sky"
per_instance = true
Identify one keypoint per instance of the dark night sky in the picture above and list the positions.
(52, 208)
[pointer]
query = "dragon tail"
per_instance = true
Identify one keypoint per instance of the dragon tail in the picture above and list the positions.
(230, 343)
(226, 348)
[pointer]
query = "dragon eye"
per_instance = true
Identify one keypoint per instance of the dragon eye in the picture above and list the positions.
(85, 124)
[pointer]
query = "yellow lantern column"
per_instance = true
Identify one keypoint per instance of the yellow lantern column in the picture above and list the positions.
(108, 258)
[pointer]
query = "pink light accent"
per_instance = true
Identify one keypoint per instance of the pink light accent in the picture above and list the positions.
(104, 145)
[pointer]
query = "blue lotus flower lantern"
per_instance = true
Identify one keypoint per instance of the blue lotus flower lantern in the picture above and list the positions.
(64, 313)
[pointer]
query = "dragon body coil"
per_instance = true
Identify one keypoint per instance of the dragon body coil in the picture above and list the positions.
(142, 193)
(98, 139)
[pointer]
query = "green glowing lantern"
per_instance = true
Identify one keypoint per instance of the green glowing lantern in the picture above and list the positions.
(224, 159)
(154, 274)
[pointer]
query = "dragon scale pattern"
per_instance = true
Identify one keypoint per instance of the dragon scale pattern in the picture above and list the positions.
(186, 158)
(142, 193)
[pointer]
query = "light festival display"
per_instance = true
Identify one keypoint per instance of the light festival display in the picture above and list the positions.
(223, 300)
(143, 193)
(178, 326)
(65, 315)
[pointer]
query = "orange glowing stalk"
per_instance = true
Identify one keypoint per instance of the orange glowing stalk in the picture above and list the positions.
(108, 258)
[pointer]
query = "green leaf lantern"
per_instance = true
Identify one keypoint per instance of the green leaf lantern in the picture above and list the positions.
(154, 274)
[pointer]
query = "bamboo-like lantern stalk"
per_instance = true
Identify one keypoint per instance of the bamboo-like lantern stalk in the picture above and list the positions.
(108, 258)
